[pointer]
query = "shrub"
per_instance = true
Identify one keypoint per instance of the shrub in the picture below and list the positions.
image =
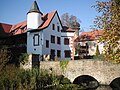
(97, 51)
(34, 79)
(23, 58)
(4, 57)
(63, 64)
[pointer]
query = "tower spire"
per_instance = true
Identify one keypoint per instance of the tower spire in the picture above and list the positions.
(34, 8)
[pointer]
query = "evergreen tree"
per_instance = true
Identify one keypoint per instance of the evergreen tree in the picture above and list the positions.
(97, 51)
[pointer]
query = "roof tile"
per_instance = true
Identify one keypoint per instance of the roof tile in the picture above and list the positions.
(17, 28)
(5, 27)
(90, 36)
(48, 17)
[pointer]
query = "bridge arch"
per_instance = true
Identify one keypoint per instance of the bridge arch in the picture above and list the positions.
(86, 81)
(115, 83)
(102, 71)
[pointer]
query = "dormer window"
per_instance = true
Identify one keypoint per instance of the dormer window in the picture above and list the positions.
(25, 28)
(36, 40)
(53, 26)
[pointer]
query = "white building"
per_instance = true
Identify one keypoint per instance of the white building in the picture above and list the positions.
(67, 39)
(89, 41)
(44, 32)
(45, 35)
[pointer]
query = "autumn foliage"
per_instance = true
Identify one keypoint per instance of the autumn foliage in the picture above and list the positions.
(109, 21)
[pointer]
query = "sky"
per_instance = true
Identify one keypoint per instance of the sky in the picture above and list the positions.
(15, 11)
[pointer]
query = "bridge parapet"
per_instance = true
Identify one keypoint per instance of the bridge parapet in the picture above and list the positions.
(103, 72)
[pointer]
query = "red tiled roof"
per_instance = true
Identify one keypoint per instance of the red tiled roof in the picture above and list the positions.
(89, 36)
(22, 26)
(5, 27)
(70, 30)
(4, 30)
(67, 29)
(49, 17)
(19, 25)
(18, 28)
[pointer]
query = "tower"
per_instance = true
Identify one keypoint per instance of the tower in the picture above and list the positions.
(34, 17)
(76, 28)
(34, 39)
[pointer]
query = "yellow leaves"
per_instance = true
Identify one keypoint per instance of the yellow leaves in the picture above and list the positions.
(110, 22)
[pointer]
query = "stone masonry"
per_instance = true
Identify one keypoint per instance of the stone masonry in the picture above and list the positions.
(103, 72)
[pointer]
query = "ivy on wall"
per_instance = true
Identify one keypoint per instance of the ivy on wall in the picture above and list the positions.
(63, 64)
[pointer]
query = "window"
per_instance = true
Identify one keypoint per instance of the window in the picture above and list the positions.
(53, 26)
(66, 41)
(47, 43)
(58, 53)
(36, 40)
(58, 28)
(58, 40)
(67, 53)
(52, 52)
(52, 39)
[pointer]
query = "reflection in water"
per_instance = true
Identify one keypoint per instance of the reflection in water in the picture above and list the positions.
(104, 87)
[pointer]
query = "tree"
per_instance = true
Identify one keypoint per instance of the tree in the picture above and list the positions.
(70, 20)
(109, 21)
(77, 48)
(4, 57)
(97, 51)
(73, 22)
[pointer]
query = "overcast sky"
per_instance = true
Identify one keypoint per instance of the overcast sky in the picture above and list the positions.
(15, 11)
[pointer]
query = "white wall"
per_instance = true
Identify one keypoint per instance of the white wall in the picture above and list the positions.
(33, 20)
(31, 49)
(47, 36)
(69, 35)
(92, 46)
(101, 47)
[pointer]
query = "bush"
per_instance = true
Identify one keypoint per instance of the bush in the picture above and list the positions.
(8, 77)
(4, 57)
(35, 79)
(99, 57)
(65, 81)
(23, 58)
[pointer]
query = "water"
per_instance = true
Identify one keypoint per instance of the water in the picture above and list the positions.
(104, 87)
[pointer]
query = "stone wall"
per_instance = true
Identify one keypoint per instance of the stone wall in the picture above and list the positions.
(103, 72)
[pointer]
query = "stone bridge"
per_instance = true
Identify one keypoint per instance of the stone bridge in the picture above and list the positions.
(103, 72)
